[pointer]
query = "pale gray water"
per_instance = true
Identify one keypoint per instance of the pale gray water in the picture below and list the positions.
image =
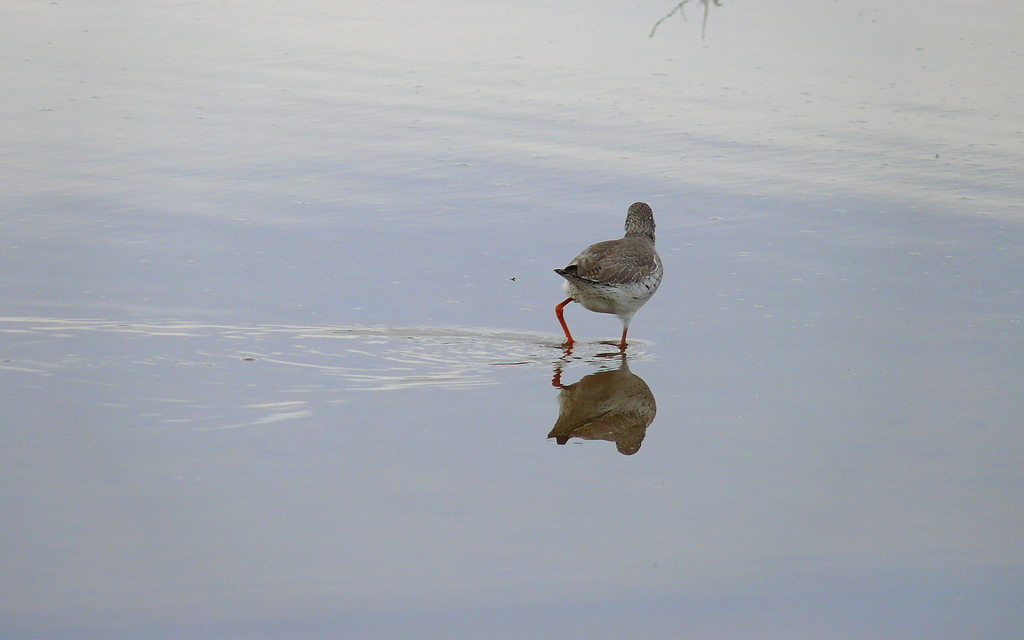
(277, 340)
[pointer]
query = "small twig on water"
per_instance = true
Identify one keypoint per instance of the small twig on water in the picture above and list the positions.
(679, 9)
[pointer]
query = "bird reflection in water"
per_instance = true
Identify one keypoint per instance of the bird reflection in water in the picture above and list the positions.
(616, 406)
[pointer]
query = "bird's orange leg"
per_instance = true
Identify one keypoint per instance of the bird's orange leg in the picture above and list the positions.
(622, 343)
(561, 319)
(556, 380)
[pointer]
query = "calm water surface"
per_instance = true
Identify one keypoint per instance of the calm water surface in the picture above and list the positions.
(278, 352)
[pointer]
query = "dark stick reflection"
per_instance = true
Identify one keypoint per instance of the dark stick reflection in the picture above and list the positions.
(679, 9)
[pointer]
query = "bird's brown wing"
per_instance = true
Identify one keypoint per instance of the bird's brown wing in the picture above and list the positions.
(614, 261)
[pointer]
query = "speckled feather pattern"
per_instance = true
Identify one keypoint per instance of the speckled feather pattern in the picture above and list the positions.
(618, 276)
(615, 262)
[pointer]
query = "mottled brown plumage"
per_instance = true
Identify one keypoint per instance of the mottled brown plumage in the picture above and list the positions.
(615, 276)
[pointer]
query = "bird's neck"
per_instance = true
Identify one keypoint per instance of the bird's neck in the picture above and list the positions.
(642, 235)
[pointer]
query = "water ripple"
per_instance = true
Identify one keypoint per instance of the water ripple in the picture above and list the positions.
(367, 358)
